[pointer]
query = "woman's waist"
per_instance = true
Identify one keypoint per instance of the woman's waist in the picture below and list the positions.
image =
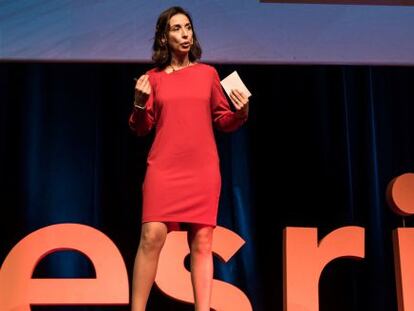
(184, 154)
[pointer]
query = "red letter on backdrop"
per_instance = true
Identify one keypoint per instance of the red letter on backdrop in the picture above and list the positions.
(400, 195)
(304, 259)
(403, 239)
(175, 281)
(18, 290)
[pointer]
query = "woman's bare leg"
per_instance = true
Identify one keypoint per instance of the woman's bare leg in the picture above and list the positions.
(153, 235)
(200, 238)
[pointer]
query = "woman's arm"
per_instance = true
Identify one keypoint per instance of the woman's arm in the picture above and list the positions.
(224, 118)
(142, 118)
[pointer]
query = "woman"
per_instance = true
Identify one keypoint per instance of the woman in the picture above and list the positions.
(182, 99)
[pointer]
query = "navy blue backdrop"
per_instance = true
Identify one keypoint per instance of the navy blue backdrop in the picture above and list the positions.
(319, 148)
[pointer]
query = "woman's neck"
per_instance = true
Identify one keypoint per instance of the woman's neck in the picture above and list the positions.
(178, 61)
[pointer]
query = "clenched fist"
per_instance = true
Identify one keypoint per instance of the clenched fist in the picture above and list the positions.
(142, 91)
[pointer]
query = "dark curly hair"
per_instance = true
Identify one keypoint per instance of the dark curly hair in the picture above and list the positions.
(161, 52)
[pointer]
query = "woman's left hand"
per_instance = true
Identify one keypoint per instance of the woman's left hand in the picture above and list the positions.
(240, 102)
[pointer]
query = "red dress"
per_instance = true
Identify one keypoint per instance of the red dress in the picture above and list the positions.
(182, 182)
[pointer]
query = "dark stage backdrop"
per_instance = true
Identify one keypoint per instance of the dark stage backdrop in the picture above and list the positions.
(319, 148)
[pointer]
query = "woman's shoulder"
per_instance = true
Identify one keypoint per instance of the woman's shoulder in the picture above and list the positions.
(154, 74)
(206, 66)
(153, 71)
(210, 70)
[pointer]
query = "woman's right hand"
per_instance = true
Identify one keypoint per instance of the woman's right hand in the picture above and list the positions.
(142, 90)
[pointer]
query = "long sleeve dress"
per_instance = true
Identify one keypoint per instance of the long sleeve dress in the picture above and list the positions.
(182, 181)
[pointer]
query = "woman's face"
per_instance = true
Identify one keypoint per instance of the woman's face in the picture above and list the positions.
(180, 34)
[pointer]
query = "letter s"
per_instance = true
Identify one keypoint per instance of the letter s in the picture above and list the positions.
(174, 280)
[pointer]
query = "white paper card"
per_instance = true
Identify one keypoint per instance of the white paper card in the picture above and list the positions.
(233, 81)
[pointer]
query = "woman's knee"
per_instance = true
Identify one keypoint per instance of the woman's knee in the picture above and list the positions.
(202, 240)
(153, 236)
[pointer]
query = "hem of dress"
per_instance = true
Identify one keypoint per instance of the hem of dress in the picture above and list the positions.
(179, 225)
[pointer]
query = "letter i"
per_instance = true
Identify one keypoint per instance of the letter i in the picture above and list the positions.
(400, 197)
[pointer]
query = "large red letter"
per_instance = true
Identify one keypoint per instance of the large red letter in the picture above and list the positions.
(18, 290)
(403, 239)
(400, 195)
(175, 281)
(304, 259)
